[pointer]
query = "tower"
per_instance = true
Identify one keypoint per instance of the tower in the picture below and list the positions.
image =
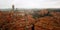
(12, 10)
(12, 7)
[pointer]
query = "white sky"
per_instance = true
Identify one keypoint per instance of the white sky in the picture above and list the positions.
(30, 3)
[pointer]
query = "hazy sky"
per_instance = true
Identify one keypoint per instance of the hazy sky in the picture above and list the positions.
(30, 3)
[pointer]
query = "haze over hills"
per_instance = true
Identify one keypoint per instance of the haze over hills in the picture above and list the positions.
(29, 4)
